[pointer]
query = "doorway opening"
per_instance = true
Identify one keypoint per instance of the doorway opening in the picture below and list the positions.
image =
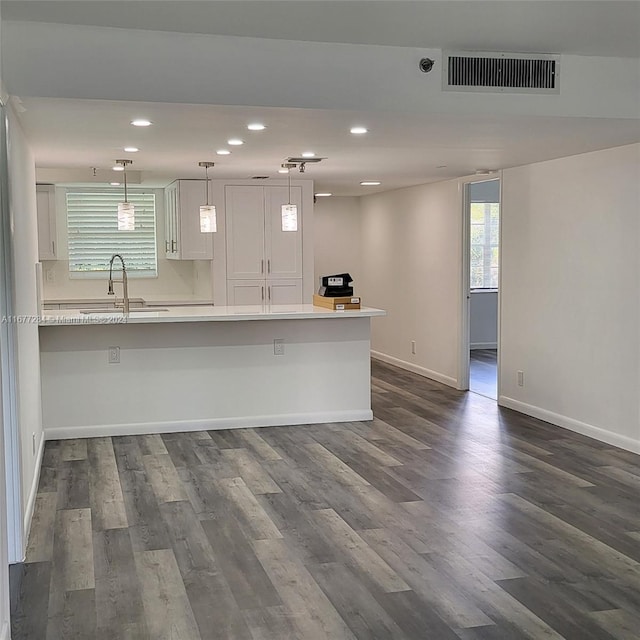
(481, 286)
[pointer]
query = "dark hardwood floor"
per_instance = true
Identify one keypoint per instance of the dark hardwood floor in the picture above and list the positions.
(483, 372)
(445, 518)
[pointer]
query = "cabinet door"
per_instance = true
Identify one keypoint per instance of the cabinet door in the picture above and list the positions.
(284, 291)
(243, 292)
(171, 220)
(283, 248)
(192, 243)
(245, 232)
(46, 209)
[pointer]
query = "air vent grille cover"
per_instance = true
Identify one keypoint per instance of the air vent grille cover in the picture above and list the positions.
(501, 72)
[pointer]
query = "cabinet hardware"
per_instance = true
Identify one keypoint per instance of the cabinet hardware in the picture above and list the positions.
(173, 246)
(262, 290)
(262, 266)
(166, 246)
(269, 292)
(53, 247)
(269, 265)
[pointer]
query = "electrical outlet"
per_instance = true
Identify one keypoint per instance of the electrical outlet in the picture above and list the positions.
(114, 355)
(278, 347)
(413, 347)
(521, 378)
(33, 440)
(50, 275)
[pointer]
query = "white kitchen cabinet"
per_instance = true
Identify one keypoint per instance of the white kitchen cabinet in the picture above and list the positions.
(261, 291)
(264, 263)
(256, 245)
(183, 238)
(46, 210)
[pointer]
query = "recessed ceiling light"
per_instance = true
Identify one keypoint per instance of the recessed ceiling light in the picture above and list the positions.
(359, 130)
(308, 154)
(223, 152)
(131, 149)
(114, 184)
(323, 195)
(118, 167)
(370, 183)
(141, 122)
(235, 142)
(256, 126)
(283, 170)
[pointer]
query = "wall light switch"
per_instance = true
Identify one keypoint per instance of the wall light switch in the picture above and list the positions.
(278, 347)
(114, 355)
(521, 378)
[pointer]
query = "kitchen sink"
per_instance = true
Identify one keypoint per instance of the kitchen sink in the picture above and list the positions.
(115, 312)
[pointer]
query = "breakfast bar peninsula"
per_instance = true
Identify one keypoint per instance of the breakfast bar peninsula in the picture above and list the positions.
(199, 368)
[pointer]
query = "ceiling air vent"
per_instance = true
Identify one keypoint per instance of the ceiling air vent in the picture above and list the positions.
(501, 72)
(259, 177)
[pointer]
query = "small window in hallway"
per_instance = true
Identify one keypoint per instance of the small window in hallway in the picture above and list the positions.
(485, 229)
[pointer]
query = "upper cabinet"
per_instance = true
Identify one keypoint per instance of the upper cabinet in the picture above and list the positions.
(183, 238)
(46, 208)
(257, 247)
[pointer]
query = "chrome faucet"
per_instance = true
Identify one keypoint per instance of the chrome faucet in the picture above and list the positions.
(125, 290)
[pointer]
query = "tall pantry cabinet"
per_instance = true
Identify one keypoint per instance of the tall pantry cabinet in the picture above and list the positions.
(264, 263)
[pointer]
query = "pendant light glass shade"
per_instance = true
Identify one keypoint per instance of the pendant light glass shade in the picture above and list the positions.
(126, 210)
(289, 212)
(126, 217)
(289, 217)
(208, 219)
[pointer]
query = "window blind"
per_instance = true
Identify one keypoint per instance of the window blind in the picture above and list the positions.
(92, 225)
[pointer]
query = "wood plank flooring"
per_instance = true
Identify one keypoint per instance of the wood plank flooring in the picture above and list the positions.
(444, 518)
(483, 372)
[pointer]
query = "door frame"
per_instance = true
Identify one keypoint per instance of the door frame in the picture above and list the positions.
(465, 278)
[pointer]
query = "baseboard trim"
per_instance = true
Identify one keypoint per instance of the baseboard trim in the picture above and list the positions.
(174, 426)
(4, 632)
(33, 492)
(483, 345)
(414, 368)
(597, 433)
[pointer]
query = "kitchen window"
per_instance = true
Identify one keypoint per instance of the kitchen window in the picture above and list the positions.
(92, 226)
(485, 229)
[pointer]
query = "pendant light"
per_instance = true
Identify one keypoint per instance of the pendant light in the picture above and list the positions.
(208, 219)
(289, 211)
(126, 210)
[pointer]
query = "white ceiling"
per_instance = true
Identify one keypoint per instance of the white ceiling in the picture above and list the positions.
(400, 150)
(605, 28)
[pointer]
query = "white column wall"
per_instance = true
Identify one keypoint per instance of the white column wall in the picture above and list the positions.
(570, 293)
(25, 240)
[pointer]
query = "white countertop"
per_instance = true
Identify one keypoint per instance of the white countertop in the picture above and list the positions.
(202, 314)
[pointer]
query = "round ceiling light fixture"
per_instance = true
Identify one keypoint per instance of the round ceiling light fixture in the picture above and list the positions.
(308, 154)
(131, 149)
(235, 142)
(370, 183)
(256, 126)
(359, 130)
(141, 122)
(223, 152)
(323, 195)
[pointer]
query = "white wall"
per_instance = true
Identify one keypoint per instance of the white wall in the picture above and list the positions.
(483, 320)
(411, 266)
(570, 292)
(337, 239)
(25, 238)
(175, 277)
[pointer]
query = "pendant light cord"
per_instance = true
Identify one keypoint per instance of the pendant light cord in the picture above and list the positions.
(124, 168)
(289, 176)
(206, 184)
